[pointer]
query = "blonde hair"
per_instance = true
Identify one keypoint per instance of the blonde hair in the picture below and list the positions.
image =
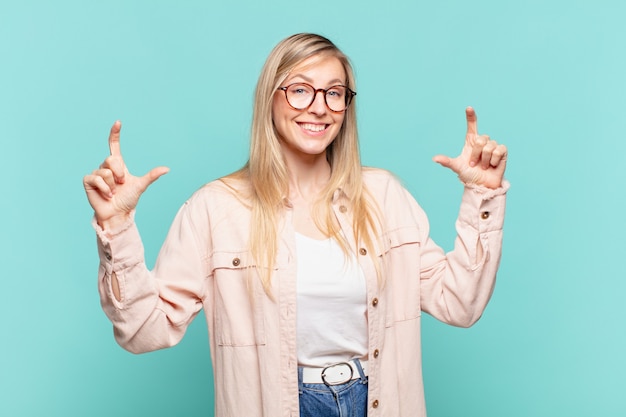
(266, 171)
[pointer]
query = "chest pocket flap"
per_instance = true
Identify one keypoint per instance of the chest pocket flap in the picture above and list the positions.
(397, 238)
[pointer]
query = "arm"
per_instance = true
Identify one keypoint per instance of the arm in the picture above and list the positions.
(457, 286)
(151, 309)
(147, 313)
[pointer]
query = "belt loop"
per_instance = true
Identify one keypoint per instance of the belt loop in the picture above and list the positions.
(300, 372)
(357, 362)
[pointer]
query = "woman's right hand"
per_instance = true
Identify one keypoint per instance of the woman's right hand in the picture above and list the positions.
(113, 192)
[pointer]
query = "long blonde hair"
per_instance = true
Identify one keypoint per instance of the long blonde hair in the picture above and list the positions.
(266, 171)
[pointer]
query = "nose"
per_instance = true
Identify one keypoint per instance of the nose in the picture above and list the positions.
(318, 106)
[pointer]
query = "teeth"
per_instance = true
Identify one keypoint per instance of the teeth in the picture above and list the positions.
(313, 127)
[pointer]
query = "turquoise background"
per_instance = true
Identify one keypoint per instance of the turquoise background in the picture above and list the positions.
(546, 78)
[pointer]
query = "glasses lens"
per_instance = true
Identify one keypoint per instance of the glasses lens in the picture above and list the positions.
(300, 96)
(336, 98)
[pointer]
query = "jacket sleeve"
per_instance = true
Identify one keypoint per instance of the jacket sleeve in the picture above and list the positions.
(155, 306)
(456, 286)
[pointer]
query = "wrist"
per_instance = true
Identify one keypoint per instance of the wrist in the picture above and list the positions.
(114, 222)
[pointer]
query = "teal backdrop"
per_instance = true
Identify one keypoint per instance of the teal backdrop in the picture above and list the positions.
(546, 78)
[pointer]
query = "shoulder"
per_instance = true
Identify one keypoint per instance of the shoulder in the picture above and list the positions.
(398, 207)
(224, 195)
(382, 183)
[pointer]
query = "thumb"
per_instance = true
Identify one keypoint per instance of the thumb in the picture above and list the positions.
(443, 160)
(451, 163)
(152, 176)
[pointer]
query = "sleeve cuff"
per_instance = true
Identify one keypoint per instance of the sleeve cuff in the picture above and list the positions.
(107, 235)
(489, 193)
(483, 208)
(120, 247)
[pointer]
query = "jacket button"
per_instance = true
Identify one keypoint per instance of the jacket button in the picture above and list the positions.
(363, 251)
(375, 404)
(236, 261)
(343, 209)
(376, 353)
(484, 215)
(375, 302)
(108, 256)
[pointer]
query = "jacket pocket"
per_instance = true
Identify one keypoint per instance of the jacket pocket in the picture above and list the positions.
(399, 254)
(239, 300)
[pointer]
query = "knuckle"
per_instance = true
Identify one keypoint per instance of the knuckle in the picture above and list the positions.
(108, 161)
(481, 141)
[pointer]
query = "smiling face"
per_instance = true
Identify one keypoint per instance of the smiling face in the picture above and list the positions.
(305, 134)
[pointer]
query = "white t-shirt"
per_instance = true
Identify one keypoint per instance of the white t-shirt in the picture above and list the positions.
(332, 304)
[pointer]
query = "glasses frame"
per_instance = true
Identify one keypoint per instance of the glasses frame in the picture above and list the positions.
(349, 96)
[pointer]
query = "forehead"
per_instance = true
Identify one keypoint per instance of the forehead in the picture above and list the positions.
(319, 70)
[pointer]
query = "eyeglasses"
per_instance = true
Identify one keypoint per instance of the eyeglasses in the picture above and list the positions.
(300, 96)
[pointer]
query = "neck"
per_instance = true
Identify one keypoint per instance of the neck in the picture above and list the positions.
(307, 177)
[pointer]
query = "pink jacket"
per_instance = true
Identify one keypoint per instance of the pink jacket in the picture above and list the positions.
(204, 263)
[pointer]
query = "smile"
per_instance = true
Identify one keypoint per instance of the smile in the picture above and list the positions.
(313, 127)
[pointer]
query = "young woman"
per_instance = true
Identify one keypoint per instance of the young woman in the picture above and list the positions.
(312, 270)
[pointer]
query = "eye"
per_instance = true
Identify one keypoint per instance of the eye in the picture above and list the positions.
(299, 89)
(336, 92)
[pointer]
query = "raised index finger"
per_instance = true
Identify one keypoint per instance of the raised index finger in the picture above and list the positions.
(472, 121)
(114, 139)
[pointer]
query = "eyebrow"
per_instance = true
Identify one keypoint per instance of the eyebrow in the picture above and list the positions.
(335, 81)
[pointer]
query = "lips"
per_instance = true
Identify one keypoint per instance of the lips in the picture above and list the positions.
(313, 127)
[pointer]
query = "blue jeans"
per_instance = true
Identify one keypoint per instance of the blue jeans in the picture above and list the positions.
(343, 400)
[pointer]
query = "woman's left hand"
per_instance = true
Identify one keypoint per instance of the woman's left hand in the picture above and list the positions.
(482, 161)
